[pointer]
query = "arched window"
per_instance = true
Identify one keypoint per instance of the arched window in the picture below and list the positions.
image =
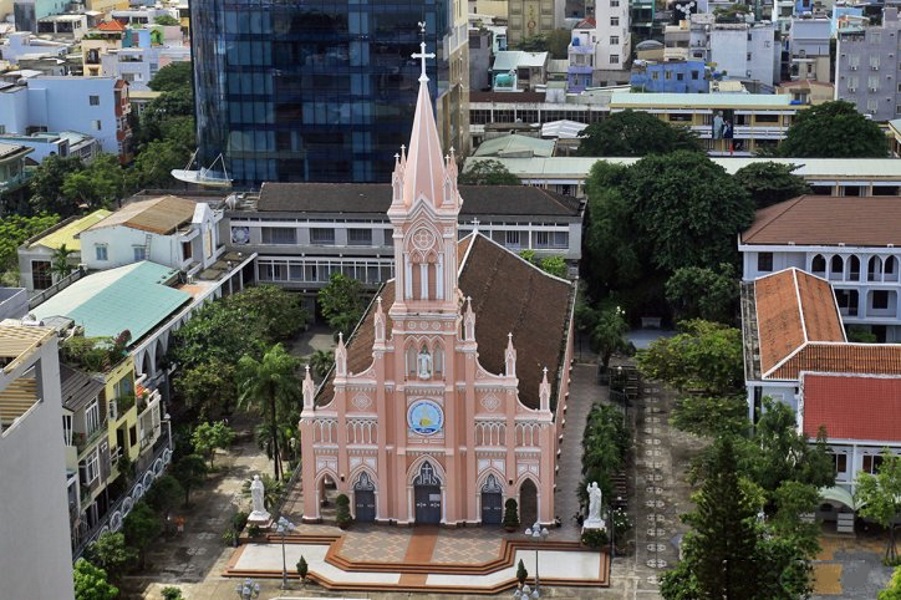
(854, 268)
(838, 265)
(819, 264)
(411, 362)
(439, 360)
(874, 268)
(890, 265)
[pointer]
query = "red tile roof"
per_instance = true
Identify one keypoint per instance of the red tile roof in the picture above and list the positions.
(828, 221)
(854, 408)
(793, 309)
(111, 26)
(876, 359)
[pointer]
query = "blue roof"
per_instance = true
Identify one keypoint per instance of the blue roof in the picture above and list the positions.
(134, 297)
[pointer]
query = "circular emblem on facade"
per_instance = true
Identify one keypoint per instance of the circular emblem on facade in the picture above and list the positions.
(425, 417)
(241, 235)
(423, 239)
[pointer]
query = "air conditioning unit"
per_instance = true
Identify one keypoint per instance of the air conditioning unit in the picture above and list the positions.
(874, 67)
(852, 89)
(872, 89)
(853, 67)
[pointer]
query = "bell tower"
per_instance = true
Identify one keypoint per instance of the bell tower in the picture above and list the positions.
(424, 210)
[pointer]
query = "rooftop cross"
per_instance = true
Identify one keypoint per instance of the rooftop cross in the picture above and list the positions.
(422, 55)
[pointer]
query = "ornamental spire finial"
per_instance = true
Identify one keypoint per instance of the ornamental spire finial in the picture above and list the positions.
(422, 54)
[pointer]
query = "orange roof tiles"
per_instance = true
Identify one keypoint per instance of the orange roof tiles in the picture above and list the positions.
(793, 309)
(878, 359)
(854, 408)
(161, 215)
(111, 26)
(828, 221)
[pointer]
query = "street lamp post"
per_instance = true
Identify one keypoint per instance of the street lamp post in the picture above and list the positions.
(248, 590)
(284, 527)
(168, 421)
(537, 534)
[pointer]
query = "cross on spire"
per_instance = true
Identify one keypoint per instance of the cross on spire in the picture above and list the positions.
(422, 55)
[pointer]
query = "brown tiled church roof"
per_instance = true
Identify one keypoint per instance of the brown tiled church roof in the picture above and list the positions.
(375, 198)
(508, 296)
(828, 221)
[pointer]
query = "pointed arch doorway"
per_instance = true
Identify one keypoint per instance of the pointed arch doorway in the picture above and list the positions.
(427, 495)
(364, 499)
(492, 501)
(528, 502)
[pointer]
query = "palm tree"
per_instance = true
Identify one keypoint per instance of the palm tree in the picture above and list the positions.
(59, 264)
(271, 386)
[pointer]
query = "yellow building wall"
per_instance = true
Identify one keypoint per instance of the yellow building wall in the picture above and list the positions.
(494, 8)
(105, 6)
(6, 8)
(127, 419)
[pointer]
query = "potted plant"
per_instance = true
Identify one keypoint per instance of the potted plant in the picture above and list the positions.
(342, 511)
(511, 515)
(595, 539)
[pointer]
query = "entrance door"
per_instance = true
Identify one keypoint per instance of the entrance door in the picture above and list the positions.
(427, 496)
(492, 502)
(528, 503)
(364, 499)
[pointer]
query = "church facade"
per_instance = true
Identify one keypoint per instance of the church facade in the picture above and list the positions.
(448, 397)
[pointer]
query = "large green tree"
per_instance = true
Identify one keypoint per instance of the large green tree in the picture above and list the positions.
(704, 293)
(141, 527)
(110, 553)
(190, 471)
(720, 553)
(488, 172)
(15, 229)
(91, 582)
(770, 182)
(270, 387)
(880, 495)
(207, 437)
(687, 208)
(341, 302)
(278, 314)
(47, 185)
(833, 130)
(635, 133)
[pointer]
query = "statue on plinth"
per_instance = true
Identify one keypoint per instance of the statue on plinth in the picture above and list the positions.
(259, 514)
(595, 496)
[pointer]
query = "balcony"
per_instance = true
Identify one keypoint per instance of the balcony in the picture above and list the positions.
(15, 182)
(84, 442)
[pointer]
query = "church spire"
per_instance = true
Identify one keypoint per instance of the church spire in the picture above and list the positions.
(422, 172)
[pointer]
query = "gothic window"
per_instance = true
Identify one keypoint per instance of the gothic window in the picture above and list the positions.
(411, 362)
(438, 360)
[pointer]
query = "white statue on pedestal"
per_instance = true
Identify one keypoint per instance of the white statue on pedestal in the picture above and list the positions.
(595, 496)
(258, 505)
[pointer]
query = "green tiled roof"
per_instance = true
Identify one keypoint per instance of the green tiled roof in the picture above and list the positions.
(132, 297)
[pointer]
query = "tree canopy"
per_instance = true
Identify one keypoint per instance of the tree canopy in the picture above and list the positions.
(15, 229)
(635, 133)
(833, 130)
(488, 172)
(174, 76)
(91, 582)
(770, 182)
(341, 302)
(704, 293)
(881, 496)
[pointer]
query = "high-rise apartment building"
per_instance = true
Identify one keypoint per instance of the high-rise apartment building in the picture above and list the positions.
(323, 90)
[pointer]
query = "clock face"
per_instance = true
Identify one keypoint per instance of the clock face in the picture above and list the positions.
(425, 417)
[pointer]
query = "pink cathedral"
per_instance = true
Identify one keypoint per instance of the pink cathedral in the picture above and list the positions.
(449, 396)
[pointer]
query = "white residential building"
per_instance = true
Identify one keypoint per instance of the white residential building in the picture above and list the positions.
(746, 51)
(851, 242)
(138, 66)
(35, 558)
(24, 44)
(808, 44)
(97, 106)
(168, 230)
(615, 55)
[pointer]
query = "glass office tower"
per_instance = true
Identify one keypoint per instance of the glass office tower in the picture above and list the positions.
(308, 90)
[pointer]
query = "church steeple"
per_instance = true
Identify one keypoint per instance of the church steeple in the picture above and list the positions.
(424, 210)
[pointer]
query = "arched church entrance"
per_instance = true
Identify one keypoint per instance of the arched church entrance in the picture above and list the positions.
(364, 499)
(528, 503)
(427, 495)
(492, 501)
